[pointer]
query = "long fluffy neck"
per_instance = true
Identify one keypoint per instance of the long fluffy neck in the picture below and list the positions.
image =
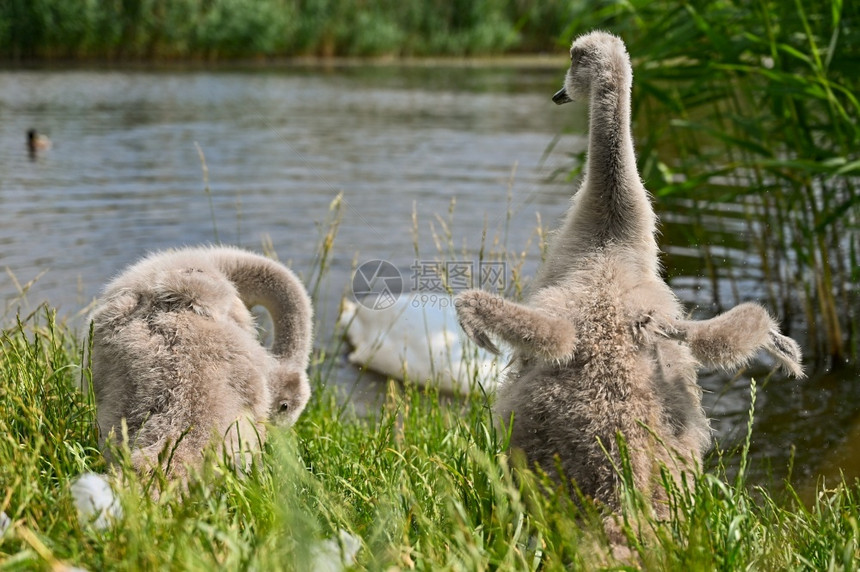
(611, 210)
(612, 191)
(611, 159)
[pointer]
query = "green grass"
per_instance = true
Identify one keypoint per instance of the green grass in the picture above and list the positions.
(425, 485)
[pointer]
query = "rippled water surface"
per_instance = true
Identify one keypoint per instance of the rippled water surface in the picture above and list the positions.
(125, 177)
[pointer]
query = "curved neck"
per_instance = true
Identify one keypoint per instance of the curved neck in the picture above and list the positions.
(273, 286)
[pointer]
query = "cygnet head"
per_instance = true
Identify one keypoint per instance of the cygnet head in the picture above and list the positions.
(290, 392)
(593, 55)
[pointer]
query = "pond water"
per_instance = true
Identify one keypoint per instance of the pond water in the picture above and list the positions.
(125, 177)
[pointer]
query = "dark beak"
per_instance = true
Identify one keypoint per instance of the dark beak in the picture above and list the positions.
(561, 97)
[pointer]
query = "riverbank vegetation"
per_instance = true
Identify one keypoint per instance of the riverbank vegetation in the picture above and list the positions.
(424, 485)
(208, 29)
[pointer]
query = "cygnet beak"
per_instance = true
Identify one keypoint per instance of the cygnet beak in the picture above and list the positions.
(561, 97)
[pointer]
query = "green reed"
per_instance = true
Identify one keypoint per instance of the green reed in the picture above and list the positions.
(754, 104)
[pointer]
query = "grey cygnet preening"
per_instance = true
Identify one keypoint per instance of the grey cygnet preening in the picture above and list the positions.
(176, 355)
(601, 345)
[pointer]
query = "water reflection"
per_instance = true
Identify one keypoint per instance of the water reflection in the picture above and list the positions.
(124, 177)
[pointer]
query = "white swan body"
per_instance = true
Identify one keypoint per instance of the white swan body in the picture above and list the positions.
(419, 341)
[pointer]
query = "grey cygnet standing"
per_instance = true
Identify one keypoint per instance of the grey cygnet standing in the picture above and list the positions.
(600, 346)
(176, 355)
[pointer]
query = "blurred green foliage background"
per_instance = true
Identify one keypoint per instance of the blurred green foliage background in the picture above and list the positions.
(245, 28)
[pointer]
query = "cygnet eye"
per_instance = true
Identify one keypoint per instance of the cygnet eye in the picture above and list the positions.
(284, 406)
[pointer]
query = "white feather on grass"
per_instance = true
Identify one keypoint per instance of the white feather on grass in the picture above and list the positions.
(336, 554)
(95, 500)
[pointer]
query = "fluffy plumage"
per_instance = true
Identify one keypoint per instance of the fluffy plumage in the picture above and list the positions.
(601, 346)
(176, 357)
